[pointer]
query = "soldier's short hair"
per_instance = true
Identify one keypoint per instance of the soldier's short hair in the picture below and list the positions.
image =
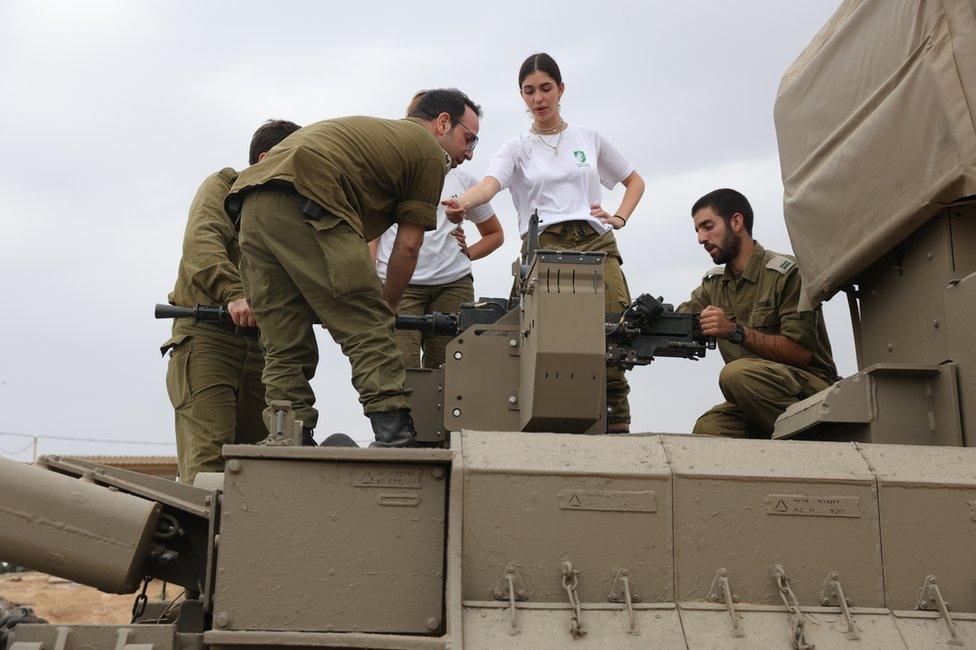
(417, 96)
(268, 135)
(442, 100)
(725, 202)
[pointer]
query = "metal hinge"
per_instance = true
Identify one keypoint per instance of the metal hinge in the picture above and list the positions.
(511, 587)
(930, 593)
(721, 591)
(623, 590)
(832, 593)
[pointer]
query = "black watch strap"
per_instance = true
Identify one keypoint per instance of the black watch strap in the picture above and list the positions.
(738, 335)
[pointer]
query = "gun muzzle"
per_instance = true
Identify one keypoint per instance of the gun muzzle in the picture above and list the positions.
(200, 313)
(436, 323)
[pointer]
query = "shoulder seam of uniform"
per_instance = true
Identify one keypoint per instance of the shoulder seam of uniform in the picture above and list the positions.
(715, 270)
(228, 175)
(781, 263)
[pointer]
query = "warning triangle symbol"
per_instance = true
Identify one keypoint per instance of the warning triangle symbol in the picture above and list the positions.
(574, 501)
(367, 478)
(781, 506)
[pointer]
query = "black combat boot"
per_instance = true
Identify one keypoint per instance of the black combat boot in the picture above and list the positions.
(393, 429)
(307, 439)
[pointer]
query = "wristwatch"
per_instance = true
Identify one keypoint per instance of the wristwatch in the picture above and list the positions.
(738, 335)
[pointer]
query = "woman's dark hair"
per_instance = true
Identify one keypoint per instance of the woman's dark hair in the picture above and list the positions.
(540, 62)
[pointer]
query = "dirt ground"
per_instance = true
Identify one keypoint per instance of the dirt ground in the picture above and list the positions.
(66, 602)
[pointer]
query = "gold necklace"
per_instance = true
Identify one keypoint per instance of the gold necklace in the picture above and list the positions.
(556, 129)
(554, 147)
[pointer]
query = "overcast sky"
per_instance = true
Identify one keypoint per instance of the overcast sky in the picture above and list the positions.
(111, 114)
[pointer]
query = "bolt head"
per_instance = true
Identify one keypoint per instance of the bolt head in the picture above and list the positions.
(825, 602)
(222, 620)
(512, 399)
(521, 593)
(432, 623)
(456, 413)
(512, 343)
(437, 472)
(635, 598)
(234, 466)
(458, 355)
(613, 598)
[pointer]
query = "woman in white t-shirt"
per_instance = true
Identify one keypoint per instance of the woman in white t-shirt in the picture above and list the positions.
(442, 278)
(558, 169)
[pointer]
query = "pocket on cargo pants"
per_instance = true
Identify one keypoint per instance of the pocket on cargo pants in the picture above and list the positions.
(178, 383)
(347, 261)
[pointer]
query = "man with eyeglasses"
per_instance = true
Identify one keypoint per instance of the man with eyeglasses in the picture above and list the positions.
(305, 214)
(442, 280)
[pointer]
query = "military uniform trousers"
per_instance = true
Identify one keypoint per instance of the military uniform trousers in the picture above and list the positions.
(298, 271)
(419, 299)
(757, 392)
(214, 383)
(580, 236)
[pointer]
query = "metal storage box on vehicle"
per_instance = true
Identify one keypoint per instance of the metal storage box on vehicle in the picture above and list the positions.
(533, 502)
(747, 505)
(933, 492)
(355, 534)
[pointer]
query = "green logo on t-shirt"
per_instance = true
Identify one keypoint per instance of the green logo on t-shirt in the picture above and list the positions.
(580, 158)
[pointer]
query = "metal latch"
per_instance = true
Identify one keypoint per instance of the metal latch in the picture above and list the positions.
(570, 582)
(720, 591)
(930, 593)
(798, 640)
(622, 589)
(284, 429)
(832, 593)
(511, 587)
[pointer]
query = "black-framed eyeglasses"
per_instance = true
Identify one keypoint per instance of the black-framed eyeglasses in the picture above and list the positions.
(474, 138)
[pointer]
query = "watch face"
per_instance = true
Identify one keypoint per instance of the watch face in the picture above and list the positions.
(738, 335)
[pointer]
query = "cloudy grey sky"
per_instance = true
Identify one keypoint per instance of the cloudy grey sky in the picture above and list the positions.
(112, 113)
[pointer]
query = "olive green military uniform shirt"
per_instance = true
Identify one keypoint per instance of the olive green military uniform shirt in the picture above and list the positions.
(368, 171)
(208, 273)
(765, 298)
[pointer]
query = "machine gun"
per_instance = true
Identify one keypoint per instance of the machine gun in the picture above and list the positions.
(647, 329)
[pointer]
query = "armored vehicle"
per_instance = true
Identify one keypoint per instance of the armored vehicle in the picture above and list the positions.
(855, 527)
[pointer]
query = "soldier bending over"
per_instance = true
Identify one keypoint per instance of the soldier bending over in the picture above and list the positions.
(214, 375)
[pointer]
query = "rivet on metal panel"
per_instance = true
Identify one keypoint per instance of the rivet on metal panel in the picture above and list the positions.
(832, 593)
(570, 582)
(432, 624)
(456, 413)
(458, 355)
(513, 399)
(622, 589)
(222, 620)
(722, 590)
(798, 638)
(512, 343)
(233, 466)
(930, 593)
(437, 472)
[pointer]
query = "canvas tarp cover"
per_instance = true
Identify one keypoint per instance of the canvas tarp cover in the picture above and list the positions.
(875, 122)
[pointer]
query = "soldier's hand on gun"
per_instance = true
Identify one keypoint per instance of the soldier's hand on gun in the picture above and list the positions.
(715, 322)
(458, 234)
(454, 210)
(241, 314)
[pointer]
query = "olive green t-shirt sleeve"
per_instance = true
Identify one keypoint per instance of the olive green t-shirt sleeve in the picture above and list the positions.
(421, 194)
(698, 301)
(798, 326)
(208, 236)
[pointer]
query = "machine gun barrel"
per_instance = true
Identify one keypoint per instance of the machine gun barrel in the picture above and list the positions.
(200, 313)
(436, 323)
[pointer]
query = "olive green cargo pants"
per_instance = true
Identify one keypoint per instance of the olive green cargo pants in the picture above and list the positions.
(580, 236)
(421, 299)
(297, 271)
(214, 383)
(757, 392)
